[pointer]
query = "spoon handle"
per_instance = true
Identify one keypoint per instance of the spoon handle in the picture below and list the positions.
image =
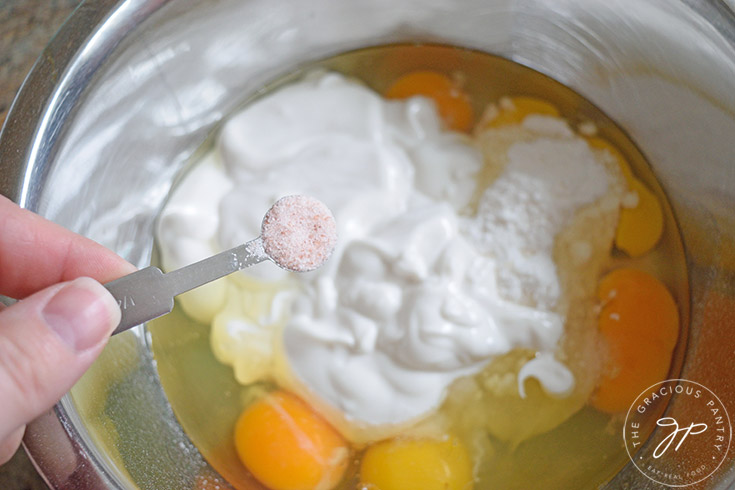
(149, 293)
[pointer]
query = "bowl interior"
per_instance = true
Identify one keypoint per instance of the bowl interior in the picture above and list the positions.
(154, 79)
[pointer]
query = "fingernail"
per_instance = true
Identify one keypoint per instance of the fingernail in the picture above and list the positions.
(82, 313)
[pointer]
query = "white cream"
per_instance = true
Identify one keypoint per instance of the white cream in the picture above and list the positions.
(410, 299)
(416, 307)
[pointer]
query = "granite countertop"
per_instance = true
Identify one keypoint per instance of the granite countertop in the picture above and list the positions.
(26, 26)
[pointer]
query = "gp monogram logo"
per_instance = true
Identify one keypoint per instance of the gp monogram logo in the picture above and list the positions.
(663, 446)
(688, 442)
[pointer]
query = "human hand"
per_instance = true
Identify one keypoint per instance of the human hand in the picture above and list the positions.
(50, 338)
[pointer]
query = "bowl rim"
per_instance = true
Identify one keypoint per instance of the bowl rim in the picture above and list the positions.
(28, 141)
(33, 126)
(55, 84)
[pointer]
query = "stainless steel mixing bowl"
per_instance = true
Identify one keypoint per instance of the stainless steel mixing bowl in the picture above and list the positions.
(129, 89)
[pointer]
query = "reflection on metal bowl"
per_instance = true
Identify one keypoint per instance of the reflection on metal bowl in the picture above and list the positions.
(129, 90)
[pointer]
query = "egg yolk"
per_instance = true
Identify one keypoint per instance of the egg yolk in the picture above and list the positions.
(639, 324)
(288, 446)
(451, 101)
(515, 109)
(641, 224)
(400, 464)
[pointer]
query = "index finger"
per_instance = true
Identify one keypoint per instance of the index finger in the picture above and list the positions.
(36, 253)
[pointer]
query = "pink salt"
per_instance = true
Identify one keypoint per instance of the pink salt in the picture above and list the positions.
(299, 233)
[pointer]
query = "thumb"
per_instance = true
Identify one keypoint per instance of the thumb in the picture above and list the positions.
(47, 341)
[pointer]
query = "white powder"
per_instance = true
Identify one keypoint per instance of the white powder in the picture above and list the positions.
(587, 128)
(547, 126)
(544, 183)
